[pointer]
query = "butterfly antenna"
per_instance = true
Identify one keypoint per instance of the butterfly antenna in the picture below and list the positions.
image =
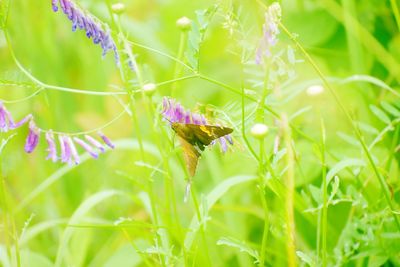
(187, 191)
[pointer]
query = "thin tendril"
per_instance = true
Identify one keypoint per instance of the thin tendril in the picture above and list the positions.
(163, 54)
(92, 130)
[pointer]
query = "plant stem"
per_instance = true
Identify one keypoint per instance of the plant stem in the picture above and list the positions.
(290, 224)
(201, 223)
(181, 51)
(396, 13)
(324, 196)
(261, 188)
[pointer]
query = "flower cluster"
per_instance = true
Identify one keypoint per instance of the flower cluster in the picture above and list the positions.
(270, 32)
(99, 32)
(174, 112)
(7, 122)
(68, 151)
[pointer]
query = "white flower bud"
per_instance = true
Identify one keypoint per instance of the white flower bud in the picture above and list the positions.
(184, 23)
(118, 8)
(259, 130)
(315, 90)
(149, 88)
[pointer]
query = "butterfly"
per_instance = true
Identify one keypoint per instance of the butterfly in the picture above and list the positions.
(194, 138)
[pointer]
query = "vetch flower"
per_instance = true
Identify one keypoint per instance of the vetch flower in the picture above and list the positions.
(99, 32)
(174, 112)
(65, 149)
(51, 146)
(33, 137)
(106, 140)
(68, 151)
(7, 122)
(4, 118)
(86, 147)
(21, 122)
(95, 143)
(270, 32)
(74, 152)
(54, 5)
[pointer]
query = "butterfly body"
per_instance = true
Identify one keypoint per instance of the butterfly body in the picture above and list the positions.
(194, 138)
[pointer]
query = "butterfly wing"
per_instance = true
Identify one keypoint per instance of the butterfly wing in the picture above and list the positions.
(205, 134)
(190, 154)
(193, 138)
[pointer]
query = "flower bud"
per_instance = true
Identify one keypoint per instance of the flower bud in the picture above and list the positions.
(184, 24)
(315, 90)
(149, 88)
(118, 8)
(259, 130)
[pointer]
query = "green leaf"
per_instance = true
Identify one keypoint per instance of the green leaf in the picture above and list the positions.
(4, 260)
(78, 215)
(349, 139)
(309, 35)
(367, 128)
(124, 256)
(305, 258)
(197, 33)
(315, 193)
(335, 188)
(390, 109)
(370, 79)
(343, 165)
(33, 259)
(380, 114)
(212, 197)
(242, 246)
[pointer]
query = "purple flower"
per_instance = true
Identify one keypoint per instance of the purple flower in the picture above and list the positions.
(86, 147)
(175, 113)
(74, 153)
(4, 118)
(270, 32)
(54, 5)
(51, 146)
(95, 143)
(65, 149)
(106, 140)
(33, 137)
(7, 122)
(21, 122)
(85, 21)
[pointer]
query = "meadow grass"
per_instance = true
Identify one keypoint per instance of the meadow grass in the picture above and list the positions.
(310, 89)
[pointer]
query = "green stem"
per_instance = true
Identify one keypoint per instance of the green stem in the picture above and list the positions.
(261, 187)
(250, 148)
(396, 13)
(43, 85)
(325, 198)
(290, 224)
(202, 230)
(163, 54)
(5, 216)
(181, 51)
